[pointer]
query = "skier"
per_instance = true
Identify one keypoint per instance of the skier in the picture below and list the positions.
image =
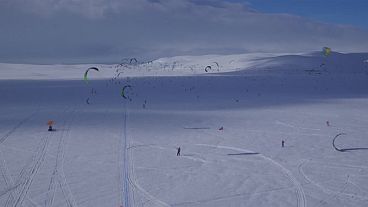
(283, 143)
(178, 153)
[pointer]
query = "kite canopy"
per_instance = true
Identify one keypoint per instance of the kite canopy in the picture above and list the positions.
(50, 122)
(124, 92)
(86, 73)
(133, 60)
(207, 68)
(326, 51)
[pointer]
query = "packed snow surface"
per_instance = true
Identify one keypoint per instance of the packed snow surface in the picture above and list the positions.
(111, 151)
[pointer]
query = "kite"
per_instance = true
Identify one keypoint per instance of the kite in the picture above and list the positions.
(86, 73)
(50, 122)
(123, 92)
(133, 59)
(326, 51)
(207, 68)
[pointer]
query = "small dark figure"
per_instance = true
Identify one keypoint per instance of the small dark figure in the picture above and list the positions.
(178, 153)
(283, 143)
(327, 123)
(221, 128)
(50, 123)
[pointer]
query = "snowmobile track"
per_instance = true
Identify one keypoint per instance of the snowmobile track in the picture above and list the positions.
(58, 172)
(28, 177)
(2, 139)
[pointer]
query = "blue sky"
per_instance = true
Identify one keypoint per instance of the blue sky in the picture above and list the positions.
(352, 12)
(82, 31)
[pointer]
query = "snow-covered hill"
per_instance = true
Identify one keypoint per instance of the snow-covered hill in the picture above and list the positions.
(109, 151)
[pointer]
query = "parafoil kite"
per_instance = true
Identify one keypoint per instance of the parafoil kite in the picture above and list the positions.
(326, 51)
(50, 122)
(86, 73)
(124, 92)
(133, 59)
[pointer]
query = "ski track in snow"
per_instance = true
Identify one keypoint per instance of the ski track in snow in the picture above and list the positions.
(126, 193)
(28, 173)
(128, 170)
(296, 127)
(58, 172)
(149, 197)
(27, 177)
(18, 199)
(326, 190)
(301, 200)
(3, 139)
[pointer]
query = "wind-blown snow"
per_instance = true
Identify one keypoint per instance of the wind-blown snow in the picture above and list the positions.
(115, 152)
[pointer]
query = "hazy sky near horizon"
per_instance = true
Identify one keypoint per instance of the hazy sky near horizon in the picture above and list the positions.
(66, 31)
(350, 12)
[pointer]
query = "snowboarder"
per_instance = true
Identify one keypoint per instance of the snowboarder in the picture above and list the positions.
(178, 153)
(283, 143)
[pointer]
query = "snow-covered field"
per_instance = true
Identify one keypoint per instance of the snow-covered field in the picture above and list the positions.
(114, 152)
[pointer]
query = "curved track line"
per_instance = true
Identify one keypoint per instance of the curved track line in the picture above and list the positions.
(128, 171)
(221, 198)
(149, 197)
(301, 200)
(326, 190)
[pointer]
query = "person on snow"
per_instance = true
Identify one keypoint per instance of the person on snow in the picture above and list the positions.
(178, 153)
(50, 123)
(282, 143)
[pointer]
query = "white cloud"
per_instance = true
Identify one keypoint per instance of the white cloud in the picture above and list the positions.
(66, 29)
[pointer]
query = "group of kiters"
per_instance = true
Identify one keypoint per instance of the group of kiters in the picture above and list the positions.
(326, 51)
